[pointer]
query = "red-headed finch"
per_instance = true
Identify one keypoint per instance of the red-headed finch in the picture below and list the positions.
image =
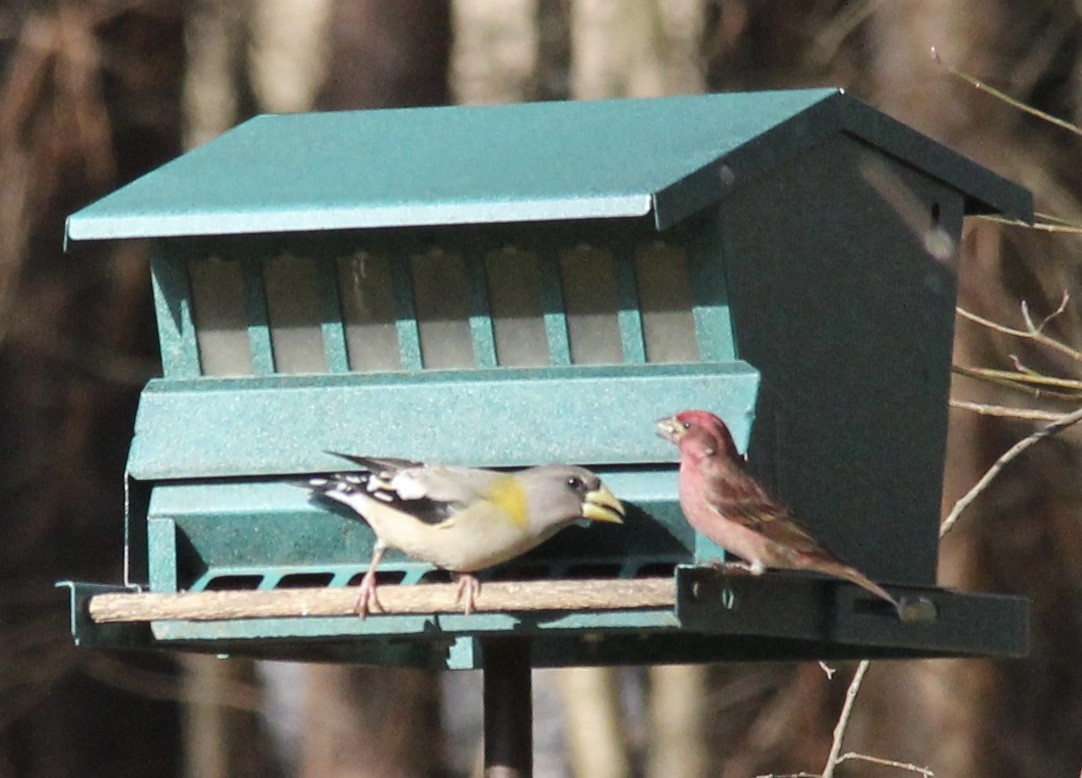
(725, 503)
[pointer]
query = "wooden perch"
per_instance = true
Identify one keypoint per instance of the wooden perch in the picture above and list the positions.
(497, 596)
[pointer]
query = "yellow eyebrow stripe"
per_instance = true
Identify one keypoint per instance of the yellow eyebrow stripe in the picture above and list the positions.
(506, 494)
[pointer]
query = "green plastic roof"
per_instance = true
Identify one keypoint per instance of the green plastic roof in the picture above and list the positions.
(507, 163)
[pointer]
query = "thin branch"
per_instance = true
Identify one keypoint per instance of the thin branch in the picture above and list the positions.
(1018, 365)
(1032, 332)
(1014, 451)
(980, 85)
(843, 719)
(1029, 414)
(1038, 328)
(1064, 228)
(887, 763)
(1024, 382)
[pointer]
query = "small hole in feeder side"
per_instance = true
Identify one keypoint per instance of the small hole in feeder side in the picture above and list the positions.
(436, 576)
(305, 580)
(520, 573)
(382, 577)
(656, 570)
(593, 570)
(233, 582)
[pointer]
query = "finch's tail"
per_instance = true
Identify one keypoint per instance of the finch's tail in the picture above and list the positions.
(850, 574)
(864, 582)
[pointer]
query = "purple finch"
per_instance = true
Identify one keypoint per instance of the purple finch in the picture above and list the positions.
(722, 501)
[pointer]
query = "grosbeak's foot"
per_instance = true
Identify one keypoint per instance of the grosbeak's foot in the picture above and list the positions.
(468, 589)
(367, 596)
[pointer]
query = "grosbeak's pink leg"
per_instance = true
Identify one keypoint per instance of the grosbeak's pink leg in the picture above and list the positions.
(366, 594)
(469, 586)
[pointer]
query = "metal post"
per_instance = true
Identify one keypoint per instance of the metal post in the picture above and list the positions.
(508, 708)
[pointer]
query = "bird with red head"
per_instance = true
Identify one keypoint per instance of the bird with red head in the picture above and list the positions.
(724, 502)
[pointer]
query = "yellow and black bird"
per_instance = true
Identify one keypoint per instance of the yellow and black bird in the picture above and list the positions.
(462, 519)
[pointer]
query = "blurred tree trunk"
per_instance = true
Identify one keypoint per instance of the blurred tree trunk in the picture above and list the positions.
(370, 723)
(386, 53)
(88, 101)
(967, 717)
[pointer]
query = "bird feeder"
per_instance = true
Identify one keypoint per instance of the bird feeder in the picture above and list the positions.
(504, 286)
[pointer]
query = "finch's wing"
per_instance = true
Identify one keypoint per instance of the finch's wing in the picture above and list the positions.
(755, 510)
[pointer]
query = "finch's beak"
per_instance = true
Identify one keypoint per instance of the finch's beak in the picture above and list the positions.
(602, 505)
(670, 429)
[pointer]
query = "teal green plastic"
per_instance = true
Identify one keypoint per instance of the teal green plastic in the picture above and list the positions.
(669, 157)
(173, 303)
(699, 240)
(595, 415)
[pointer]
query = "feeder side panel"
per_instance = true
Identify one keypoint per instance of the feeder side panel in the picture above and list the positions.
(842, 270)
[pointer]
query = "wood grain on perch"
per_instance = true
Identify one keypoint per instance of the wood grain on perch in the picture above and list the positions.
(495, 597)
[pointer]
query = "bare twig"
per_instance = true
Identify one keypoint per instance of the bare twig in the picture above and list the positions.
(887, 763)
(1014, 451)
(828, 670)
(1063, 227)
(1033, 384)
(843, 719)
(1034, 332)
(976, 84)
(1029, 414)
(1037, 328)
(1017, 364)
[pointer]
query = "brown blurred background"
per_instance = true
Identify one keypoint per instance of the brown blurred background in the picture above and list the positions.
(96, 92)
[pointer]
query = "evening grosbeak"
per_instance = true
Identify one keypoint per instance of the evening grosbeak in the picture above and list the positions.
(462, 519)
(722, 501)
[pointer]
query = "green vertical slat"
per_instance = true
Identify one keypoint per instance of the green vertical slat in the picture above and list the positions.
(484, 341)
(628, 316)
(259, 337)
(552, 303)
(405, 318)
(162, 553)
(710, 298)
(334, 331)
(173, 306)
